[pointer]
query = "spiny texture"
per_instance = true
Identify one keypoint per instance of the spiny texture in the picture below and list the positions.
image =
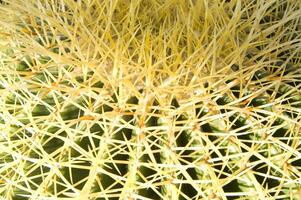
(156, 99)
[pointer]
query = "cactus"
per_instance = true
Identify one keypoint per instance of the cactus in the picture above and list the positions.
(153, 99)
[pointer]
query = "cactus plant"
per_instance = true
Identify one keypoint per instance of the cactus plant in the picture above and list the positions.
(175, 99)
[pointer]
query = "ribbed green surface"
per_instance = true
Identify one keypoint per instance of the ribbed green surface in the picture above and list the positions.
(155, 154)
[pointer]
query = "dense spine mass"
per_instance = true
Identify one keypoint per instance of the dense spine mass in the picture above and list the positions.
(150, 99)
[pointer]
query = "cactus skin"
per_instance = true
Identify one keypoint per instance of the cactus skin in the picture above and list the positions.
(110, 100)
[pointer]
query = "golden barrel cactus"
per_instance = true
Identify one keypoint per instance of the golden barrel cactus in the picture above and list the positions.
(150, 99)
